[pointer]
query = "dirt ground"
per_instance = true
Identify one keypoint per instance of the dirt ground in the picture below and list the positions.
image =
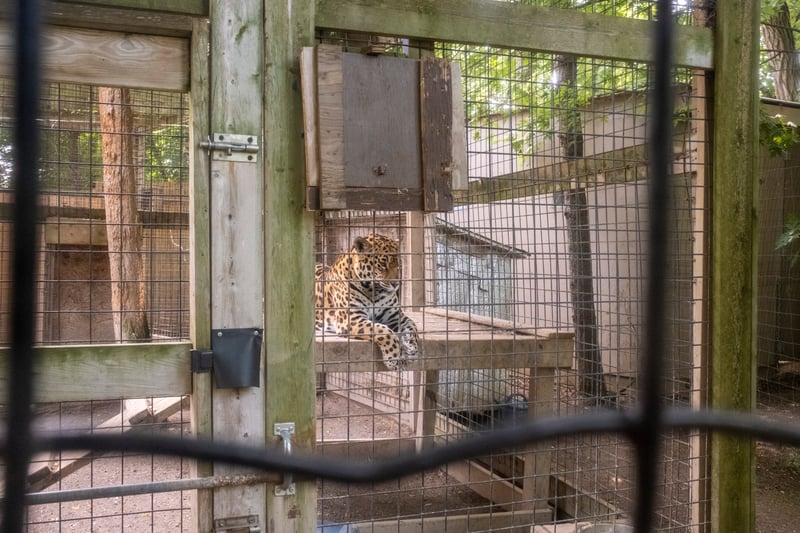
(432, 494)
(778, 467)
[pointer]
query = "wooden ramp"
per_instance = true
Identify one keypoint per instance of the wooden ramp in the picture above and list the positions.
(48, 469)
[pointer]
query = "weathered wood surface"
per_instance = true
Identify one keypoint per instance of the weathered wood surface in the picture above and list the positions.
(289, 254)
(186, 7)
(515, 25)
(102, 17)
(733, 258)
(236, 64)
(381, 121)
(200, 263)
(436, 133)
(330, 95)
(107, 371)
(453, 343)
(113, 59)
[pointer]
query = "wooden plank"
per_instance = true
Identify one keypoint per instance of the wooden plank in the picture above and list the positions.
(289, 243)
(515, 25)
(370, 199)
(735, 173)
(513, 522)
(107, 371)
(308, 80)
(236, 231)
(200, 263)
(460, 169)
(483, 481)
(184, 7)
(478, 346)
(101, 17)
(84, 232)
(436, 124)
(381, 122)
(330, 87)
(107, 58)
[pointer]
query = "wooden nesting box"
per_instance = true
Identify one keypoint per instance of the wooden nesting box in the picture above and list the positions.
(381, 132)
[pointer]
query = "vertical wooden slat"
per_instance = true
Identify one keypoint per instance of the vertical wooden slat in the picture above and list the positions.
(289, 265)
(236, 221)
(733, 256)
(199, 266)
(436, 124)
(330, 86)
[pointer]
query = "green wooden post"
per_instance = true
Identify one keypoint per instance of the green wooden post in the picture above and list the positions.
(735, 171)
(289, 254)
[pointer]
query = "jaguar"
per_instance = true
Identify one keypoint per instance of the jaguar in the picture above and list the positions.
(357, 296)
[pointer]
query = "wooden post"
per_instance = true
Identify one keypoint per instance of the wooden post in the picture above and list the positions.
(289, 265)
(236, 231)
(735, 173)
(199, 265)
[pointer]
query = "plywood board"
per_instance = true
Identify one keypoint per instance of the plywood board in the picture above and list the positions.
(381, 122)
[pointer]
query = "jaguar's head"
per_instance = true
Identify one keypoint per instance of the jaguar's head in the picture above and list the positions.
(376, 258)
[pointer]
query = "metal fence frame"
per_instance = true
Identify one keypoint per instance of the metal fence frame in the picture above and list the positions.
(641, 425)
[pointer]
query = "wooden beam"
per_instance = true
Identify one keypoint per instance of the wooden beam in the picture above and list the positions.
(118, 19)
(107, 371)
(514, 25)
(107, 58)
(182, 7)
(733, 286)
(288, 265)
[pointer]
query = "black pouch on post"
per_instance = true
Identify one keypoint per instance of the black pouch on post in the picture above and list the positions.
(237, 357)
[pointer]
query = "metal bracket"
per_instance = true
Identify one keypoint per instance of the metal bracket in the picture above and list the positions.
(201, 360)
(285, 431)
(232, 147)
(237, 524)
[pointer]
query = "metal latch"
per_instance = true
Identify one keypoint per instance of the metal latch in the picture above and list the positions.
(237, 524)
(285, 431)
(232, 147)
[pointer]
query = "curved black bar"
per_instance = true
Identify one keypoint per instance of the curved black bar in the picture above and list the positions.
(310, 465)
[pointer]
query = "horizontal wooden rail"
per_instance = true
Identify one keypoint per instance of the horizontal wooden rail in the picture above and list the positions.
(106, 371)
(512, 25)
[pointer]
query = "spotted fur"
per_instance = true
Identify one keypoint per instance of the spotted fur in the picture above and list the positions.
(357, 297)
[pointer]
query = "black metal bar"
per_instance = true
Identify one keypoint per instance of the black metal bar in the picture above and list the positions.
(646, 435)
(529, 432)
(26, 154)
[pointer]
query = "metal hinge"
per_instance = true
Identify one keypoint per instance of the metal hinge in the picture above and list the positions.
(232, 147)
(237, 524)
(201, 360)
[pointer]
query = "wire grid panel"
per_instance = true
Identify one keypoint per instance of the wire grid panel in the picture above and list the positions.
(536, 223)
(77, 298)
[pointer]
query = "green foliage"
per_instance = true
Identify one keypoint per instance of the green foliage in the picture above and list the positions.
(166, 154)
(777, 134)
(789, 237)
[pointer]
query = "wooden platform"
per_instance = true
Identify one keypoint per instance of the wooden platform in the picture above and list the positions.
(452, 341)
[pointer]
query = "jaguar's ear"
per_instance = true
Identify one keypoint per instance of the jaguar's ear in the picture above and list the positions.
(361, 244)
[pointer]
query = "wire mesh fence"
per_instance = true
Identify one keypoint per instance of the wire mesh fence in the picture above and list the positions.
(78, 292)
(528, 299)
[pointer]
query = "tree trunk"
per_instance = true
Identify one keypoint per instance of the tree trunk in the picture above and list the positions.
(779, 42)
(576, 213)
(123, 225)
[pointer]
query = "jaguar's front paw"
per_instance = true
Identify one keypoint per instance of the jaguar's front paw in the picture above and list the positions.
(409, 344)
